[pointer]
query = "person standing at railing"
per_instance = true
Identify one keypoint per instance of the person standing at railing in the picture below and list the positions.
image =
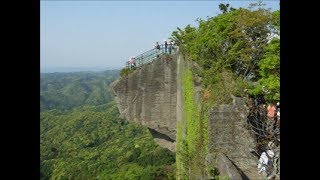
(157, 47)
(132, 63)
(165, 46)
(174, 47)
(170, 47)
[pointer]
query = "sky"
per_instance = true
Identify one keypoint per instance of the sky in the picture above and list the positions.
(104, 34)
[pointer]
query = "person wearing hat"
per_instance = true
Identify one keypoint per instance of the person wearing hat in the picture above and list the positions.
(265, 163)
(262, 163)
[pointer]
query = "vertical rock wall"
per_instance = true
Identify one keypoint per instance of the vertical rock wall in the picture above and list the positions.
(148, 96)
(229, 135)
(151, 96)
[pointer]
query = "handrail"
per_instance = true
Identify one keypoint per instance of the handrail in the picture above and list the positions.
(151, 54)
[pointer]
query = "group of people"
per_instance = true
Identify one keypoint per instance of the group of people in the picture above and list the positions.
(264, 117)
(269, 161)
(264, 120)
(168, 46)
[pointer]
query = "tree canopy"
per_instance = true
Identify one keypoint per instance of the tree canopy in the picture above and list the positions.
(85, 139)
(244, 42)
(70, 90)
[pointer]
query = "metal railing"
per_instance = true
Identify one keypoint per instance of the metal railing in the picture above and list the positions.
(151, 55)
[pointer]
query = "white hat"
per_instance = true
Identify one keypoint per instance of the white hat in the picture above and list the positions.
(270, 153)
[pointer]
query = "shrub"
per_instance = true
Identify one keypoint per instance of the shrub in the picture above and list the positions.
(125, 72)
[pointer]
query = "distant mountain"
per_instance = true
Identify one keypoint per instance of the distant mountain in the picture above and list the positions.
(75, 69)
(72, 89)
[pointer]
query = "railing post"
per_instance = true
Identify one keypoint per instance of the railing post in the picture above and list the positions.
(163, 50)
(141, 59)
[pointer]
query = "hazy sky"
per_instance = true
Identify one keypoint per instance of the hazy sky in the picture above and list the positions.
(107, 33)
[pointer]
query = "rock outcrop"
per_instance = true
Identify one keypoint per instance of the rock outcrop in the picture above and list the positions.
(226, 168)
(229, 135)
(151, 96)
(148, 96)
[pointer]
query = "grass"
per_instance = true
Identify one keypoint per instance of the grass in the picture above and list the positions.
(192, 146)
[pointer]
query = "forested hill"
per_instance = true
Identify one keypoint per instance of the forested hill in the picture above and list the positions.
(68, 90)
(82, 136)
(91, 142)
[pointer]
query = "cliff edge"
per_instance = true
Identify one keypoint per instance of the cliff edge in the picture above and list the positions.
(148, 96)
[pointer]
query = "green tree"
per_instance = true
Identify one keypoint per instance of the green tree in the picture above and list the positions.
(234, 41)
(269, 69)
(82, 136)
(223, 7)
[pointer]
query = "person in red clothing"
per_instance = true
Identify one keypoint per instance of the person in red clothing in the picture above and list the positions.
(271, 111)
(271, 118)
(132, 63)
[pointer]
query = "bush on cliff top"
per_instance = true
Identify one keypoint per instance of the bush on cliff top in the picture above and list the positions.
(125, 72)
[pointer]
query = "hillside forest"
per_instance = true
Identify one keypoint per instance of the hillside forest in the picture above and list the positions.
(82, 136)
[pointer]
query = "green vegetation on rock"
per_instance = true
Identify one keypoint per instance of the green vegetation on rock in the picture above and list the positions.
(126, 71)
(236, 50)
(192, 138)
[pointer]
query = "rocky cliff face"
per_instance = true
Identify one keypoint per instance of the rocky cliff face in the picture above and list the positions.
(151, 96)
(148, 96)
(229, 135)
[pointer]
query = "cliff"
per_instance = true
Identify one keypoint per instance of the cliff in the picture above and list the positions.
(148, 96)
(229, 135)
(152, 95)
